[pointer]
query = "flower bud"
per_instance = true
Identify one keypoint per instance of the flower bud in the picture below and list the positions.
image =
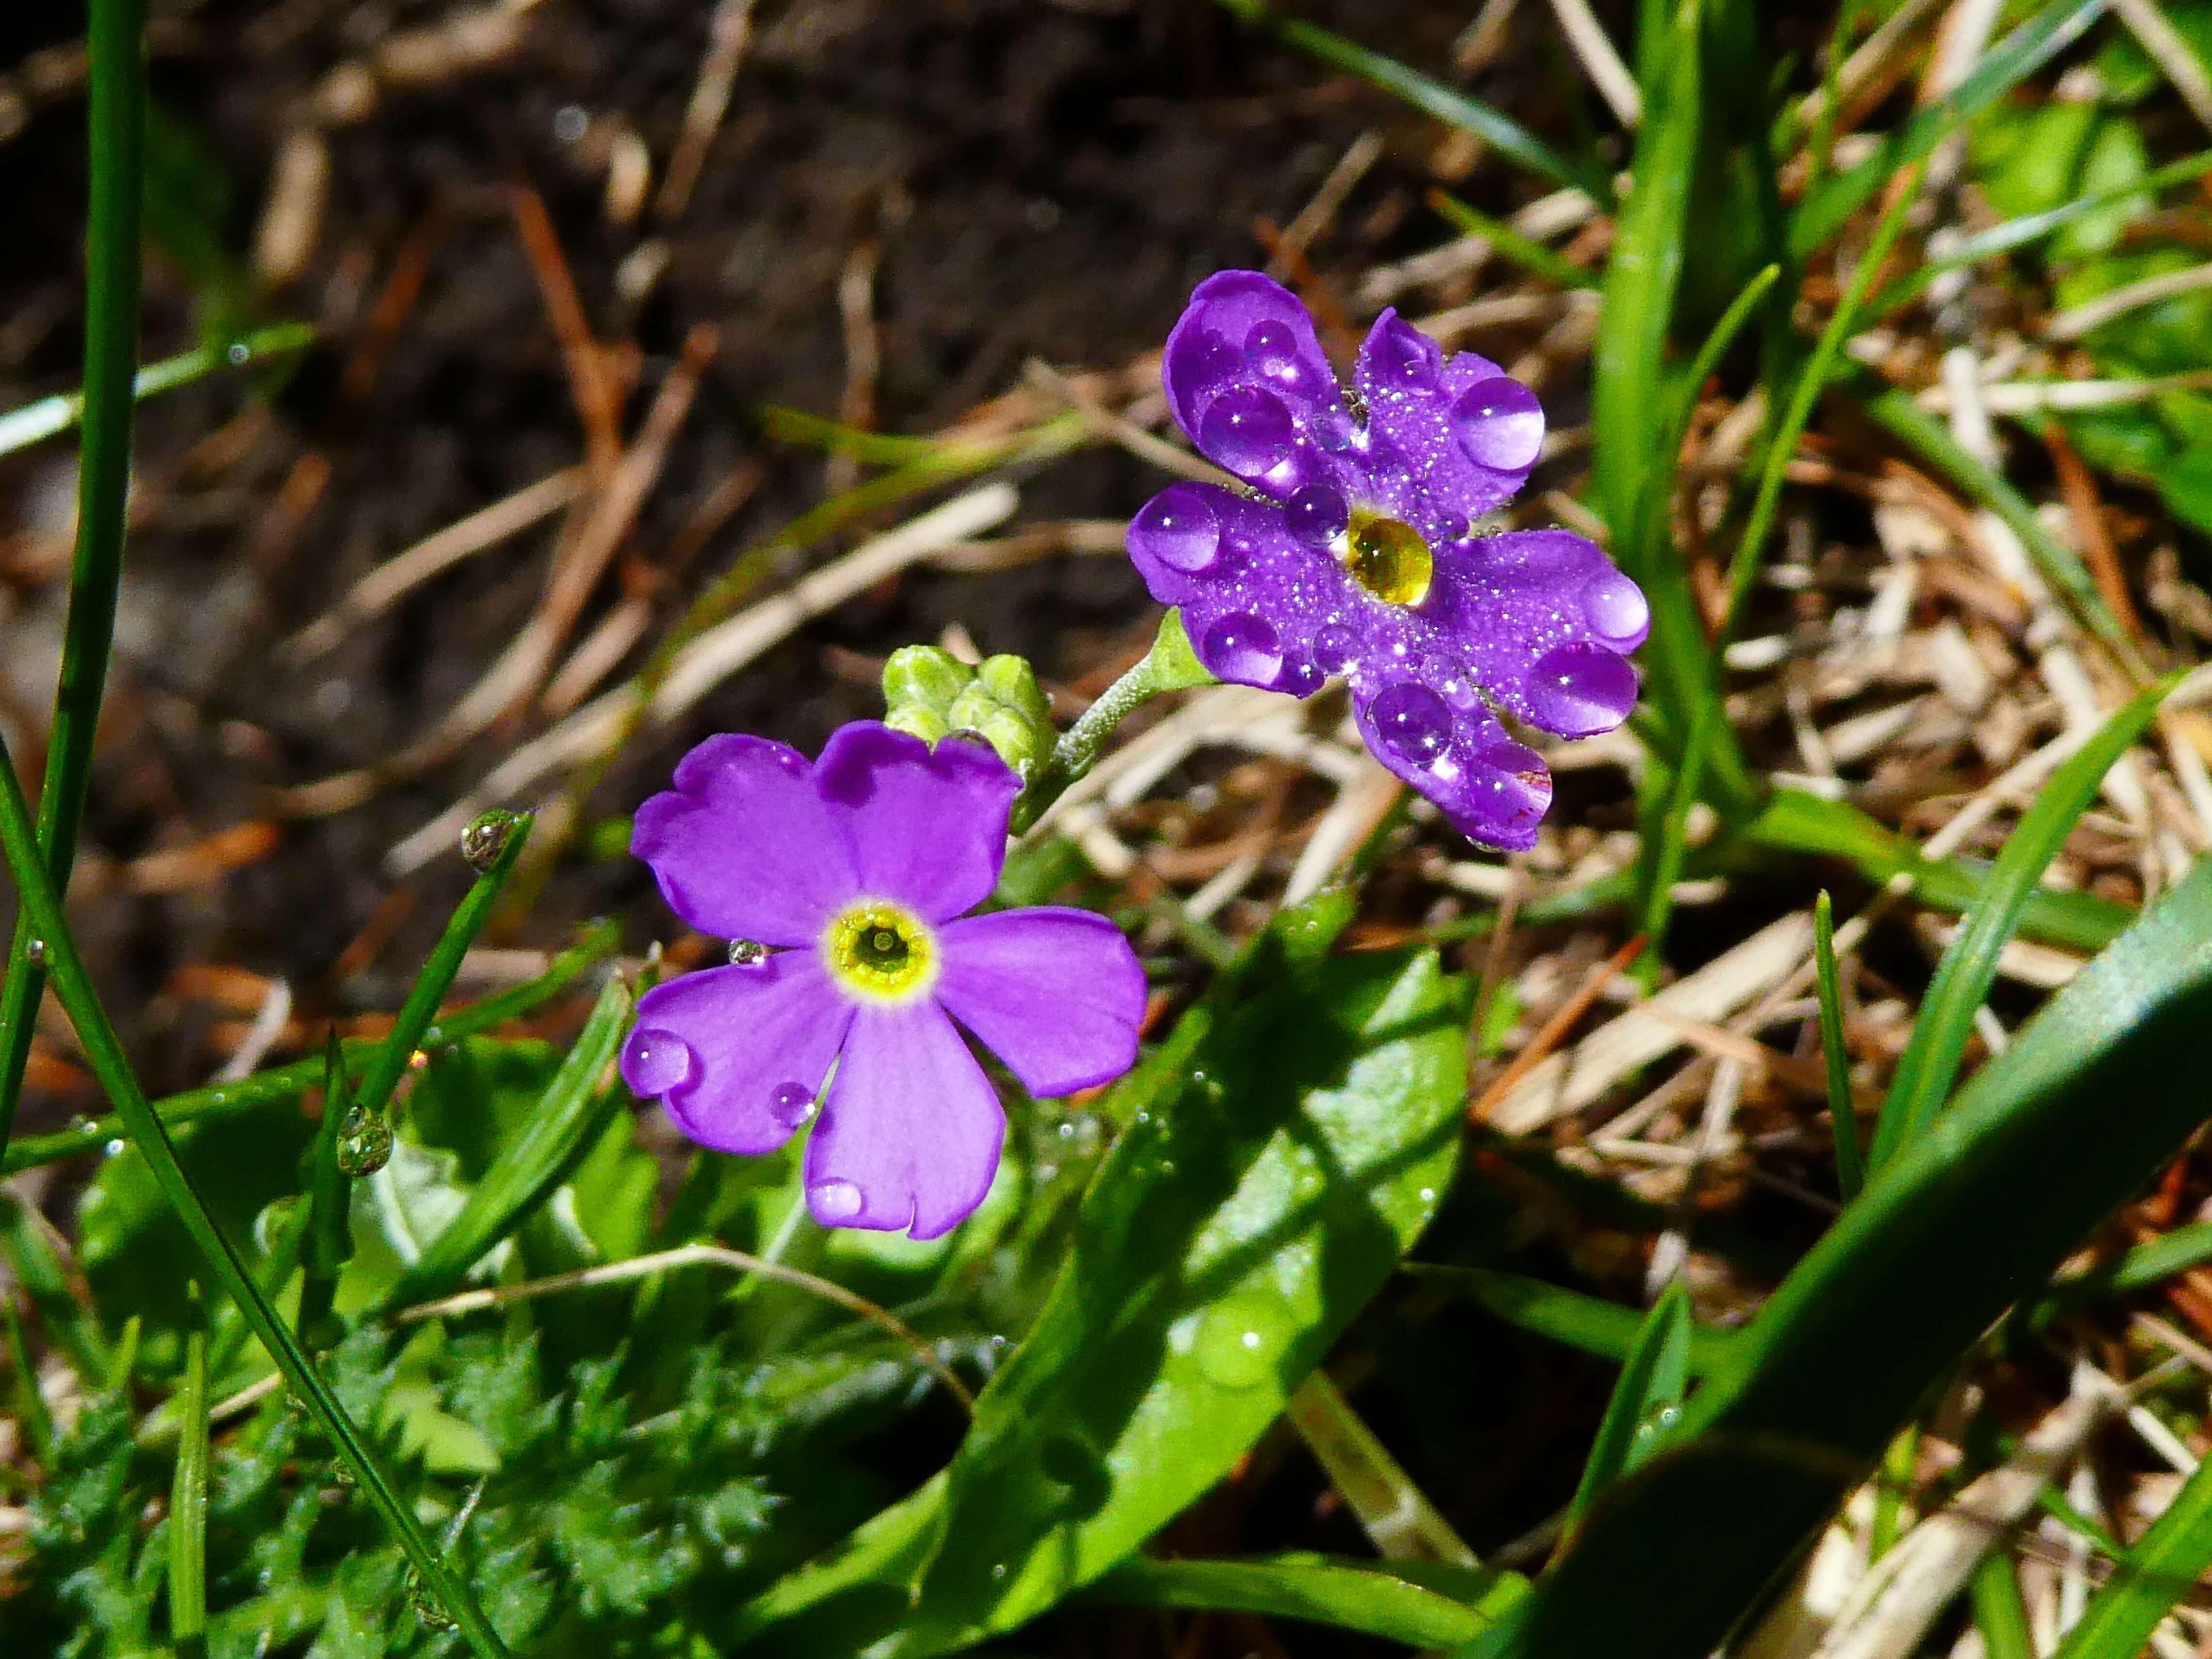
(922, 676)
(917, 722)
(1012, 682)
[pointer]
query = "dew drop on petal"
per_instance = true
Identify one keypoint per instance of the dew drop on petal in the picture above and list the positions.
(1615, 609)
(1412, 722)
(1301, 678)
(1177, 526)
(1331, 427)
(1577, 689)
(790, 1105)
(1242, 648)
(1406, 358)
(1272, 345)
(1335, 647)
(747, 953)
(835, 1201)
(1249, 430)
(1499, 423)
(660, 1061)
(1316, 514)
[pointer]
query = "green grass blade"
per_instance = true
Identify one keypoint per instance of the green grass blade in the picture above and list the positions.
(188, 1497)
(1589, 1323)
(2163, 1567)
(1432, 98)
(1724, 335)
(35, 422)
(327, 1242)
(31, 1410)
(1794, 820)
(1850, 1161)
(287, 1083)
(1924, 1071)
(1651, 1381)
(1999, 1610)
(1531, 255)
(2030, 1158)
(28, 1245)
(116, 79)
(1355, 1595)
(103, 1052)
(505, 833)
(1827, 209)
(568, 1119)
(2031, 228)
(2059, 564)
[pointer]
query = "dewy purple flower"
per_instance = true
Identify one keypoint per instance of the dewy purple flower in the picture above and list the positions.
(1353, 553)
(858, 865)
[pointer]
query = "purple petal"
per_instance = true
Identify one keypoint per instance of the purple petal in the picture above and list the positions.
(927, 827)
(737, 1054)
(1055, 994)
(910, 1134)
(1491, 788)
(1242, 328)
(1256, 597)
(743, 847)
(1448, 439)
(1543, 618)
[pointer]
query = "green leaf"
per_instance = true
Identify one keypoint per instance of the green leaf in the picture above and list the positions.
(1843, 1108)
(188, 1501)
(1924, 1071)
(1881, 1309)
(1384, 1602)
(1276, 1158)
(575, 1109)
(2163, 1567)
(1646, 1400)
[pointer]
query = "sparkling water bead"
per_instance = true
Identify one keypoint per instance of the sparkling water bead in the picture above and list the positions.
(1249, 430)
(660, 1061)
(364, 1143)
(1577, 689)
(1336, 648)
(1178, 527)
(1412, 722)
(1388, 558)
(1271, 347)
(790, 1104)
(1315, 515)
(486, 838)
(1616, 611)
(835, 1201)
(747, 953)
(1244, 649)
(1499, 423)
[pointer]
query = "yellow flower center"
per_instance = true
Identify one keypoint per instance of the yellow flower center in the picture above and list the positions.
(880, 952)
(1387, 557)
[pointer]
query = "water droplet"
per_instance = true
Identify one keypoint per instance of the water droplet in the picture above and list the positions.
(1178, 527)
(1388, 558)
(1315, 515)
(1241, 1339)
(1428, 1195)
(1499, 425)
(791, 1105)
(485, 838)
(658, 1061)
(34, 952)
(997, 1571)
(1301, 678)
(1412, 722)
(747, 953)
(1244, 649)
(113, 1149)
(364, 1143)
(1068, 1131)
(1615, 609)
(835, 1202)
(1249, 430)
(1336, 648)
(1577, 689)
(1332, 427)
(1272, 344)
(239, 353)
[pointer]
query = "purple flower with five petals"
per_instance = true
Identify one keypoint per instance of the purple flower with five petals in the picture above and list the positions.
(857, 865)
(1351, 551)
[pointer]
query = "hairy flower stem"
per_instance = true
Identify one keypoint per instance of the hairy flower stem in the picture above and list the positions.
(1169, 666)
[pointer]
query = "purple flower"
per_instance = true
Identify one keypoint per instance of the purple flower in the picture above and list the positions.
(858, 864)
(1351, 554)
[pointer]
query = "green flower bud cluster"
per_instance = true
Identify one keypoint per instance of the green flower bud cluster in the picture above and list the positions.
(932, 694)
